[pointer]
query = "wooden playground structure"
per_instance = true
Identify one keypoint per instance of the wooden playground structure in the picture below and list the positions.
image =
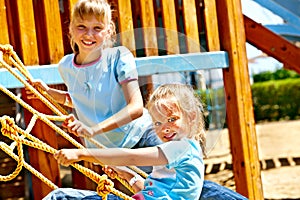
(215, 30)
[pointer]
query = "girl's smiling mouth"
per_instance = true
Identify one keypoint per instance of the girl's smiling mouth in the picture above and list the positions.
(170, 136)
(88, 43)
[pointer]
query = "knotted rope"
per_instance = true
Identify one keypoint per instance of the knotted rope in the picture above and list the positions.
(7, 55)
(10, 130)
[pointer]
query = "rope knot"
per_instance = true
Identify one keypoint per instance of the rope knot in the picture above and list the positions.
(8, 126)
(105, 186)
(6, 51)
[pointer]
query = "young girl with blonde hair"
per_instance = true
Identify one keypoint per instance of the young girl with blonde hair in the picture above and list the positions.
(102, 82)
(178, 171)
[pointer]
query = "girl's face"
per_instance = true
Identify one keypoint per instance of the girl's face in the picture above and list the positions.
(88, 33)
(169, 122)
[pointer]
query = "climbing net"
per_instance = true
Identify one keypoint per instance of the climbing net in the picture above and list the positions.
(20, 137)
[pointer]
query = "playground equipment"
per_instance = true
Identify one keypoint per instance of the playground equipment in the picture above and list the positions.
(38, 37)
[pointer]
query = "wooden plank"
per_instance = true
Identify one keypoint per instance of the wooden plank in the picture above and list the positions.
(145, 66)
(170, 26)
(150, 42)
(240, 116)
(148, 28)
(54, 30)
(71, 5)
(272, 44)
(4, 39)
(211, 30)
(40, 160)
(27, 35)
(64, 8)
(126, 25)
(181, 63)
(191, 25)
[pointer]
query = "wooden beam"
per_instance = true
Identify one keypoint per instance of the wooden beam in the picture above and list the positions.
(145, 66)
(211, 19)
(191, 26)
(170, 26)
(4, 39)
(240, 116)
(28, 41)
(126, 25)
(53, 30)
(150, 43)
(148, 28)
(272, 44)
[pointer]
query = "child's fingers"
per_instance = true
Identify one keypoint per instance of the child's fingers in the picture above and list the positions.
(110, 172)
(70, 118)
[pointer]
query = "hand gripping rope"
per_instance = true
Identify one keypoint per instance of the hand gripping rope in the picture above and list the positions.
(9, 129)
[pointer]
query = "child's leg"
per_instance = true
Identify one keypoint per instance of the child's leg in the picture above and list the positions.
(97, 197)
(214, 191)
(69, 193)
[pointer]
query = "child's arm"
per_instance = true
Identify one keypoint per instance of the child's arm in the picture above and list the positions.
(149, 156)
(133, 110)
(59, 96)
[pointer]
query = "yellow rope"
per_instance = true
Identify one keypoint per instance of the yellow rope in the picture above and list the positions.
(7, 129)
(7, 149)
(10, 130)
(11, 56)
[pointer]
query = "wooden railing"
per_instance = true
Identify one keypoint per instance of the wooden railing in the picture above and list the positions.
(38, 31)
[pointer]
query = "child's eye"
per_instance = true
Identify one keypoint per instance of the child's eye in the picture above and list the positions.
(81, 27)
(172, 119)
(98, 28)
(157, 123)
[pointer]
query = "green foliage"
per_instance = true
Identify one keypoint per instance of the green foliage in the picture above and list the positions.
(276, 100)
(277, 75)
(214, 107)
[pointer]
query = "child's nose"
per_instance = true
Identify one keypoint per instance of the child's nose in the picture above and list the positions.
(89, 32)
(166, 130)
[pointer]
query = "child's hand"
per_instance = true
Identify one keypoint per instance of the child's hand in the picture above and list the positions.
(125, 173)
(66, 156)
(36, 84)
(77, 127)
(110, 172)
(115, 171)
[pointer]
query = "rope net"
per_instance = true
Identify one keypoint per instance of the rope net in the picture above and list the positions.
(20, 137)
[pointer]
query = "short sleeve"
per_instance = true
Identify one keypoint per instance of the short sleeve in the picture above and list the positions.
(126, 66)
(175, 151)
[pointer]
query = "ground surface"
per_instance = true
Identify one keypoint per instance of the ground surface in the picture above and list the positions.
(279, 152)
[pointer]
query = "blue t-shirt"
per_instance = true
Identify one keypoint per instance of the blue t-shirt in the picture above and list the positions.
(96, 93)
(183, 176)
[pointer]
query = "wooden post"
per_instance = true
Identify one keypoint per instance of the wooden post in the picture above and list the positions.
(4, 39)
(170, 25)
(240, 116)
(150, 43)
(49, 30)
(126, 25)
(190, 26)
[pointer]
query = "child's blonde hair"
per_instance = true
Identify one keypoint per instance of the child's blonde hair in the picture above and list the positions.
(102, 11)
(187, 103)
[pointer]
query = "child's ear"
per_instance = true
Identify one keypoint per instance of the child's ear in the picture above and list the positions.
(192, 116)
